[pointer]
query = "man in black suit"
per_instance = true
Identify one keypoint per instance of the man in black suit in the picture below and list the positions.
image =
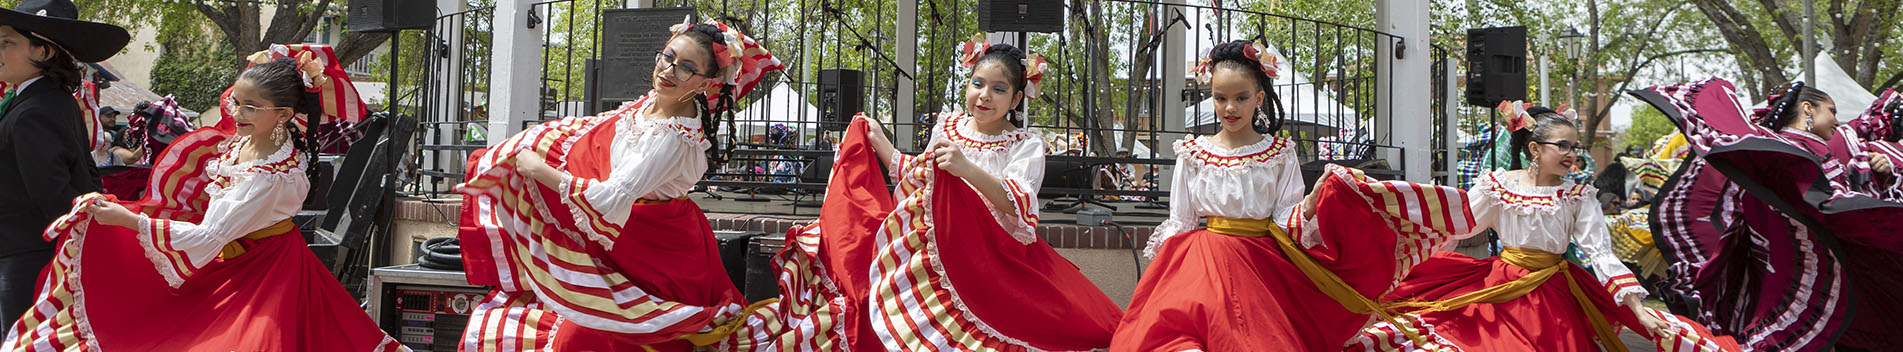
(45, 157)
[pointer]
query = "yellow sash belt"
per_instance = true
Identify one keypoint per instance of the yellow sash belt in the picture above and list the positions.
(1324, 280)
(720, 332)
(235, 249)
(1544, 265)
(654, 201)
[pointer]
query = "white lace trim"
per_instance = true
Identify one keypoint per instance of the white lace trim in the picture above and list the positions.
(959, 124)
(153, 253)
(1201, 150)
(1498, 187)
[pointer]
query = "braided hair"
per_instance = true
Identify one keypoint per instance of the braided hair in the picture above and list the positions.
(281, 84)
(1232, 56)
(1011, 59)
(1545, 122)
(1895, 110)
(1782, 111)
(706, 35)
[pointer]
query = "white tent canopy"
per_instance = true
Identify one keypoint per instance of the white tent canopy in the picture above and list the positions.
(781, 105)
(1309, 109)
(1851, 98)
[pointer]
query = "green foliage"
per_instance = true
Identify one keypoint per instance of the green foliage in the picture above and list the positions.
(1648, 124)
(185, 69)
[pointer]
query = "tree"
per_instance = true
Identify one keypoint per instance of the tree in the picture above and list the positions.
(1648, 125)
(1615, 56)
(194, 76)
(240, 22)
(1764, 34)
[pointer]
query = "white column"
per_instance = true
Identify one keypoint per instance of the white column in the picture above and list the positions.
(1544, 99)
(1403, 86)
(1174, 70)
(903, 109)
(515, 64)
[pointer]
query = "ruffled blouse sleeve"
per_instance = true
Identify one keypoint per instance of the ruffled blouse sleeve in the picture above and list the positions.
(641, 165)
(1021, 178)
(252, 202)
(1484, 202)
(1589, 232)
(1183, 215)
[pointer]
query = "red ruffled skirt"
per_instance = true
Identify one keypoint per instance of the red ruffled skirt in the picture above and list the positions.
(1217, 292)
(275, 296)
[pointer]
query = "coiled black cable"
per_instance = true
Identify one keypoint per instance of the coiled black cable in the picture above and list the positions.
(441, 253)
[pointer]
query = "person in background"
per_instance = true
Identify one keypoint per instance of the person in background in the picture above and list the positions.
(45, 156)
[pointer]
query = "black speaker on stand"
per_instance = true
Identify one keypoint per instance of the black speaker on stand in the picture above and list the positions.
(1496, 65)
(842, 94)
(1041, 16)
(391, 15)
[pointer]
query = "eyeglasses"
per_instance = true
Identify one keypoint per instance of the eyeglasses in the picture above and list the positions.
(1566, 146)
(682, 71)
(247, 109)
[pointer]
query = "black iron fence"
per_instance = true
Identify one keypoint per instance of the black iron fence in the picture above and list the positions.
(454, 99)
(1088, 111)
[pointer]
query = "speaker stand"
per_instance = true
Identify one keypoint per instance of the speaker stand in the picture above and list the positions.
(703, 190)
(1087, 200)
(751, 197)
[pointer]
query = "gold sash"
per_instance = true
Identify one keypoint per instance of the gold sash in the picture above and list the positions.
(653, 201)
(1326, 281)
(1544, 265)
(235, 249)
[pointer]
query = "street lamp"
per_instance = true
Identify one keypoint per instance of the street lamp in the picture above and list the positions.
(1573, 40)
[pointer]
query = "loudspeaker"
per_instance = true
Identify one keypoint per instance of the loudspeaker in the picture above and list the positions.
(1041, 16)
(841, 95)
(1065, 173)
(1496, 65)
(391, 15)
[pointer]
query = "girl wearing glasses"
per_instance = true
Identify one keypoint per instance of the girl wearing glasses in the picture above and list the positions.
(231, 271)
(1529, 298)
(583, 224)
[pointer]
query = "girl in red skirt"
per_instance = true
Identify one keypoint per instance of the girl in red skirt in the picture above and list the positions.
(1270, 273)
(232, 273)
(951, 260)
(583, 224)
(1529, 298)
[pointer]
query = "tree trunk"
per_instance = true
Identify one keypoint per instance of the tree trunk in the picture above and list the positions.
(1590, 131)
(243, 29)
(356, 45)
(1757, 58)
(1098, 39)
(1144, 59)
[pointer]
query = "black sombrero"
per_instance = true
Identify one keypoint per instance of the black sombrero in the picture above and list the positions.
(56, 21)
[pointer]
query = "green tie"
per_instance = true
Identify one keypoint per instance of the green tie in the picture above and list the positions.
(7, 103)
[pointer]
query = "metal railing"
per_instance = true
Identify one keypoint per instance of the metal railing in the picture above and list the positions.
(779, 134)
(454, 112)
